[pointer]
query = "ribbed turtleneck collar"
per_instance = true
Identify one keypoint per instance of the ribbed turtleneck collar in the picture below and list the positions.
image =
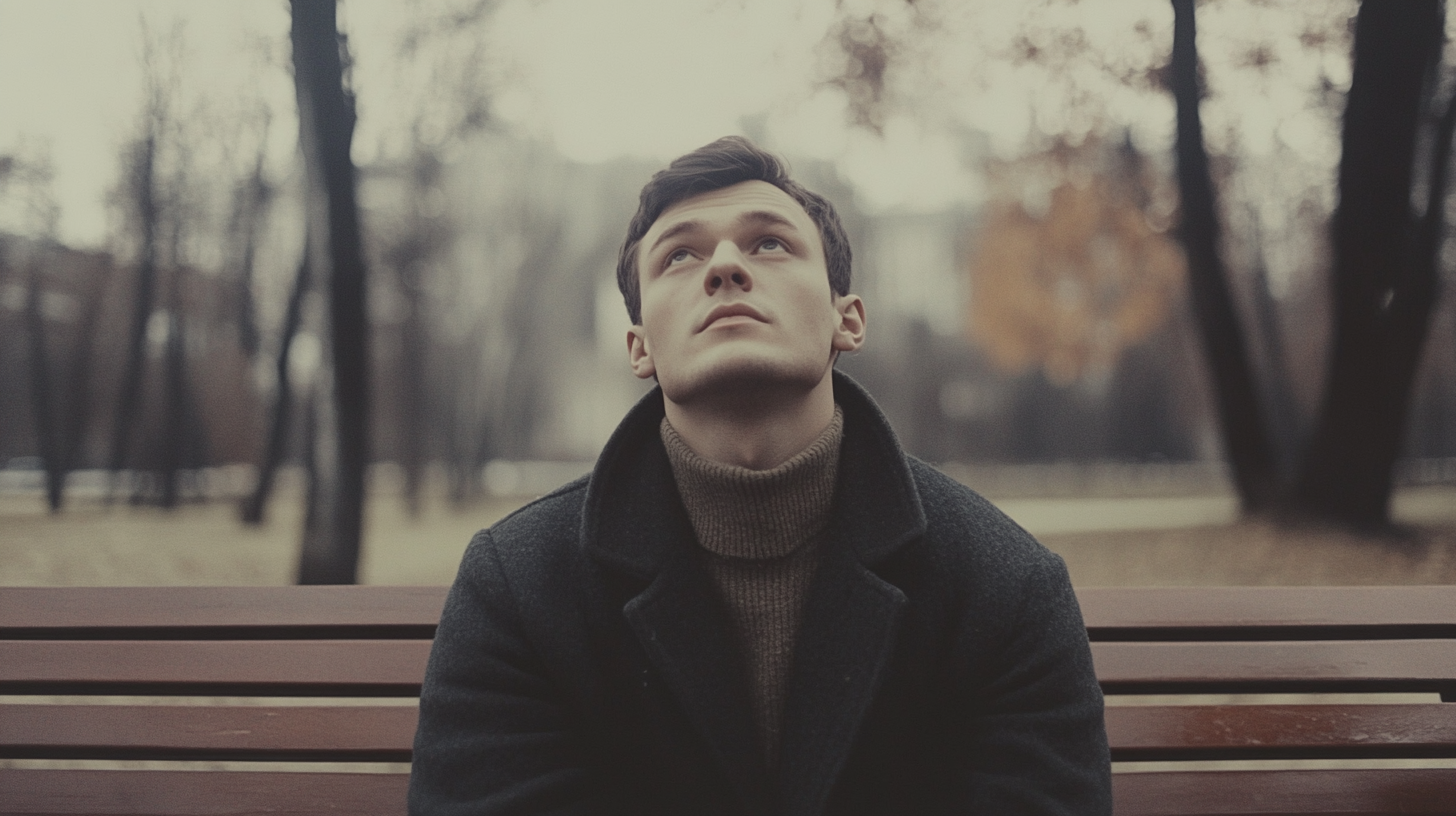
(756, 514)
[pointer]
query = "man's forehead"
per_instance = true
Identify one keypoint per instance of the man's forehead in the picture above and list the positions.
(731, 200)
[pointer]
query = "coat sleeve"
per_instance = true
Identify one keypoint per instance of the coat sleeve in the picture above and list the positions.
(1036, 739)
(494, 737)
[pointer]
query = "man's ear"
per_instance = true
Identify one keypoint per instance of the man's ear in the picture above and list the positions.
(638, 354)
(849, 335)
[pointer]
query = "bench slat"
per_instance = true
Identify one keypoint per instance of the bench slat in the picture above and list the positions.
(1111, 611)
(1143, 733)
(1417, 611)
(292, 733)
(289, 667)
(200, 793)
(124, 793)
(397, 667)
(386, 733)
(1365, 792)
(244, 612)
(1271, 666)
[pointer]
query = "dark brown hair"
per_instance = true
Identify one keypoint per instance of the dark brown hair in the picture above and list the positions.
(728, 161)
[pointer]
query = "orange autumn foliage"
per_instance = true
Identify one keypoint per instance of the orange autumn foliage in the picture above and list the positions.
(1069, 291)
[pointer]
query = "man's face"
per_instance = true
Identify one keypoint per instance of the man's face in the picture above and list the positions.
(735, 297)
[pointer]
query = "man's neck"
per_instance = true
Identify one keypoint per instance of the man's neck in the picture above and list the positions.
(757, 431)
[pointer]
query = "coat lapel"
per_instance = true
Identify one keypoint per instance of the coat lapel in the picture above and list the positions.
(686, 634)
(848, 633)
(843, 648)
(635, 521)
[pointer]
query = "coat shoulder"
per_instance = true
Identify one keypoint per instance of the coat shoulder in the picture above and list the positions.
(966, 531)
(555, 513)
(533, 539)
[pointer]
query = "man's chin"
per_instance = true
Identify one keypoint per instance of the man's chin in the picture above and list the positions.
(747, 378)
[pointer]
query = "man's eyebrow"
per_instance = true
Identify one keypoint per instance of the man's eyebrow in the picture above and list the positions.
(691, 225)
(753, 217)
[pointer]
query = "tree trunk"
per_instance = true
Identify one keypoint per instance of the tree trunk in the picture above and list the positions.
(1245, 438)
(252, 200)
(326, 127)
(414, 410)
(177, 431)
(47, 435)
(255, 506)
(76, 415)
(1287, 426)
(1385, 261)
(143, 183)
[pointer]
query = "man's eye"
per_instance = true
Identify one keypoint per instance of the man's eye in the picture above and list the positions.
(678, 257)
(771, 244)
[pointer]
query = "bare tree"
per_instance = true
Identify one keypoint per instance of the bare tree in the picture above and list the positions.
(59, 382)
(1385, 273)
(158, 428)
(334, 523)
(445, 42)
(1384, 270)
(1238, 402)
(424, 234)
(250, 201)
(1277, 380)
(46, 432)
(141, 197)
(181, 443)
(280, 418)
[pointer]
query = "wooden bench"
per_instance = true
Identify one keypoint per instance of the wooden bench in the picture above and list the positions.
(133, 677)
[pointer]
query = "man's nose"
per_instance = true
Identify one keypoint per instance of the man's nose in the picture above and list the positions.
(727, 269)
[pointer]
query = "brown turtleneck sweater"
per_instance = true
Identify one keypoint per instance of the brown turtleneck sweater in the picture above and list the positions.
(760, 532)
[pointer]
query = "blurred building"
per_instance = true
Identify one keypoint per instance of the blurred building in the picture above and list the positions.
(85, 303)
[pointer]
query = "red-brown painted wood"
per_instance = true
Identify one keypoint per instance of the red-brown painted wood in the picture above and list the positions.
(1104, 608)
(294, 733)
(163, 793)
(385, 733)
(1375, 665)
(46, 611)
(1424, 611)
(199, 793)
(342, 641)
(1281, 731)
(1365, 792)
(302, 667)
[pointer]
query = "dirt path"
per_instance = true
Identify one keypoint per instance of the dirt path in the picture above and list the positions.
(204, 544)
(1134, 541)
(1253, 554)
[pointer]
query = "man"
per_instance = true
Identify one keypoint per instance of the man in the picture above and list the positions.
(756, 602)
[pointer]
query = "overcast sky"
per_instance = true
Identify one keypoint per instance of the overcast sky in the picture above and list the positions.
(650, 78)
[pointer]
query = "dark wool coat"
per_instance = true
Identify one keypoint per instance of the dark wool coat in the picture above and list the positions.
(585, 664)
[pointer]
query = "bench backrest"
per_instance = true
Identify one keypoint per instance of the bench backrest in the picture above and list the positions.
(323, 671)
(1371, 666)
(313, 676)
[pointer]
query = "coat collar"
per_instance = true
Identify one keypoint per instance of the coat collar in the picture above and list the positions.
(634, 521)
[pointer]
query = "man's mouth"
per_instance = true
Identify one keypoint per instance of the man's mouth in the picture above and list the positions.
(736, 312)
